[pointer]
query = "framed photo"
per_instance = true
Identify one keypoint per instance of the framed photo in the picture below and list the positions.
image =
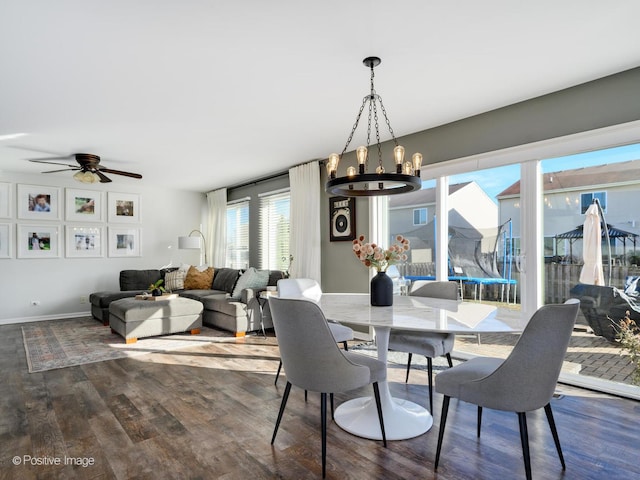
(38, 241)
(124, 207)
(5, 240)
(38, 202)
(83, 242)
(83, 205)
(342, 219)
(124, 242)
(5, 200)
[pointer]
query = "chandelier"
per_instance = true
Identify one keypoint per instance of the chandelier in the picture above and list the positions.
(360, 183)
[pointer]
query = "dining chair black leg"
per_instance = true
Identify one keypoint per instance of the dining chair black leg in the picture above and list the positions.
(479, 419)
(449, 360)
(430, 380)
(305, 395)
(323, 422)
(282, 405)
(346, 346)
(524, 438)
(554, 432)
(331, 397)
(406, 380)
(376, 394)
(443, 421)
(278, 374)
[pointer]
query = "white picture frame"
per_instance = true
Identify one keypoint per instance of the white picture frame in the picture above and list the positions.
(83, 205)
(5, 200)
(38, 202)
(124, 207)
(84, 242)
(124, 242)
(38, 241)
(5, 240)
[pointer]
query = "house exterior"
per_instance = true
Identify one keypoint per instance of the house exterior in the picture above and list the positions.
(567, 195)
(412, 215)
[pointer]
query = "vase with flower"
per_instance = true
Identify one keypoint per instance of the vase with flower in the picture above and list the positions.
(375, 256)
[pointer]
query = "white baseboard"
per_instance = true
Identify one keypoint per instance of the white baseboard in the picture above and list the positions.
(42, 318)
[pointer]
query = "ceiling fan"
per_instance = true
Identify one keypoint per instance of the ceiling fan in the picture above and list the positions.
(88, 168)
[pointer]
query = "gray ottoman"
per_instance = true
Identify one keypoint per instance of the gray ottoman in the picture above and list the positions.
(133, 318)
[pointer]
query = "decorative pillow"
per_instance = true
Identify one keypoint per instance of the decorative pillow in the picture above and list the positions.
(174, 280)
(225, 279)
(252, 278)
(196, 280)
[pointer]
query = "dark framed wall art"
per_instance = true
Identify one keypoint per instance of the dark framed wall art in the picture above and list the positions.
(342, 219)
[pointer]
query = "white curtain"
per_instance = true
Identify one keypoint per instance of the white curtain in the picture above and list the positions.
(305, 221)
(217, 228)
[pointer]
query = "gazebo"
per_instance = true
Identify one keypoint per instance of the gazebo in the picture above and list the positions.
(615, 234)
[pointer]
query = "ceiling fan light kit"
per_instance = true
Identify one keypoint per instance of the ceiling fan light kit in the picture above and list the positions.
(88, 168)
(360, 183)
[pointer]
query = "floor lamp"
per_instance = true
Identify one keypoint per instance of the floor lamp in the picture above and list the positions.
(194, 243)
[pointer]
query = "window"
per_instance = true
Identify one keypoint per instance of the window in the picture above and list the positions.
(419, 216)
(274, 230)
(238, 234)
(586, 199)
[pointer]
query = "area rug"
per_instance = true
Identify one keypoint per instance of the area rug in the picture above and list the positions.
(65, 343)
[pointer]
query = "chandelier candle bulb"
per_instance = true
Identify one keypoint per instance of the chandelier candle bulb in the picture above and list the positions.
(351, 171)
(332, 165)
(417, 163)
(398, 154)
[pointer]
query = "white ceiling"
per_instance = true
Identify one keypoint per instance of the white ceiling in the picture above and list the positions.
(201, 94)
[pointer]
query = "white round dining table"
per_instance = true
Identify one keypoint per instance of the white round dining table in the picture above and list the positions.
(404, 419)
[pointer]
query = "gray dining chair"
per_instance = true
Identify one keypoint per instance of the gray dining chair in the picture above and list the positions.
(312, 360)
(310, 289)
(522, 382)
(431, 345)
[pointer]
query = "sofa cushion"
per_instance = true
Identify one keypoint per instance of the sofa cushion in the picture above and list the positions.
(225, 279)
(252, 278)
(174, 280)
(226, 306)
(138, 279)
(197, 280)
(274, 276)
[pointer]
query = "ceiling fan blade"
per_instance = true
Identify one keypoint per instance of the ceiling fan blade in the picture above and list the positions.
(120, 172)
(47, 160)
(103, 177)
(62, 170)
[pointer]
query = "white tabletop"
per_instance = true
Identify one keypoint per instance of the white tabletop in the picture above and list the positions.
(421, 313)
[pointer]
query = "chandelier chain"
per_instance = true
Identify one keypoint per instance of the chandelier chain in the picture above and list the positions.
(355, 126)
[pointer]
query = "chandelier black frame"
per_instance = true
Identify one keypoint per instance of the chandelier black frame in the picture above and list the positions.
(362, 184)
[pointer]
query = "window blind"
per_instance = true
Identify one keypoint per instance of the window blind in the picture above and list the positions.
(274, 230)
(237, 255)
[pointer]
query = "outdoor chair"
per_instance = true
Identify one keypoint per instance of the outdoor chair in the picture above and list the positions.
(522, 382)
(429, 344)
(312, 360)
(310, 289)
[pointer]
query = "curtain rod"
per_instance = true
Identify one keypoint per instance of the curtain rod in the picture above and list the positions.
(272, 176)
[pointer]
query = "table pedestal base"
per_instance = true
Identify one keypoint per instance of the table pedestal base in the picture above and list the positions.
(402, 419)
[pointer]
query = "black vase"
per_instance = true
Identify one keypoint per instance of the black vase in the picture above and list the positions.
(381, 290)
(156, 292)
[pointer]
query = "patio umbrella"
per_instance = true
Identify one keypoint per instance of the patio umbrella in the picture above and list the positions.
(592, 272)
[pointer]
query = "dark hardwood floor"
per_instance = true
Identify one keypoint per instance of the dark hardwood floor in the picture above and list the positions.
(209, 412)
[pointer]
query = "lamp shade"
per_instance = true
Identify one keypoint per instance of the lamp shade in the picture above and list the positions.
(189, 243)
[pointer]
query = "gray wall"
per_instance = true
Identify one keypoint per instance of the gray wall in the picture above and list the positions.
(609, 101)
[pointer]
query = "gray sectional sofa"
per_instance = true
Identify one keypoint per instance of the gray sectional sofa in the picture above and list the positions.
(240, 314)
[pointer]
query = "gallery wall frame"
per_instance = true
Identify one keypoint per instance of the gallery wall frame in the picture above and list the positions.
(38, 202)
(84, 242)
(124, 242)
(83, 205)
(6, 230)
(5, 200)
(38, 241)
(124, 207)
